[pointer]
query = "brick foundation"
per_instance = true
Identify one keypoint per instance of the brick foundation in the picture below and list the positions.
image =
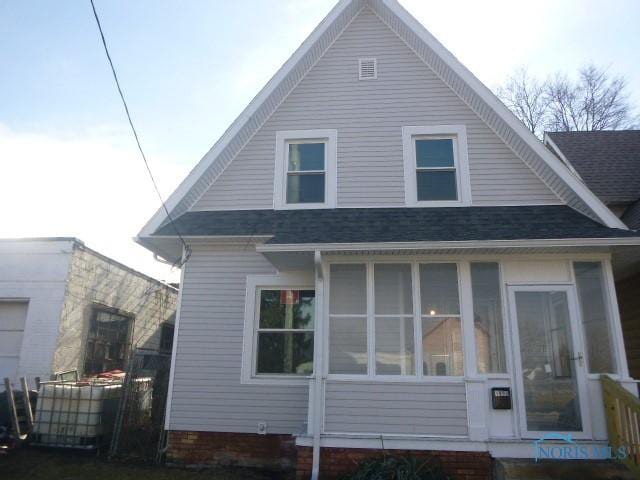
(271, 452)
(335, 462)
(279, 453)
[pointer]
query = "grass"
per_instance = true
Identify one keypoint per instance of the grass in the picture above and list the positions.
(40, 464)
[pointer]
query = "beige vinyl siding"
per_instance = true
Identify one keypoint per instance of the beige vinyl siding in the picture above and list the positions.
(207, 394)
(396, 408)
(369, 116)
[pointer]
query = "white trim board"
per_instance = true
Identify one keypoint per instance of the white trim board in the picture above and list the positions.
(480, 99)
(540, 243)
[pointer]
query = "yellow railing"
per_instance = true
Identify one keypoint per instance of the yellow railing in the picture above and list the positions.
(623, 421)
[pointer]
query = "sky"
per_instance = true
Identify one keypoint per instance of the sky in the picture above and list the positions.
(188, 67)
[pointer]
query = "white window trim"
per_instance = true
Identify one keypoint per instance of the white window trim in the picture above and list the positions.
(293, 281)
(461, 162)
(330, 137)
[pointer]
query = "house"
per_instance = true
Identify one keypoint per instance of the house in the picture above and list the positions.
(374, 252)
(64, 306)
(608, 162)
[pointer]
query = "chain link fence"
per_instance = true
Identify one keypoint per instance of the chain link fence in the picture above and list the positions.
(139, 427)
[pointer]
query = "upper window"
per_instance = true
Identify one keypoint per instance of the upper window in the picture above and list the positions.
(305, 169)
(436, 166)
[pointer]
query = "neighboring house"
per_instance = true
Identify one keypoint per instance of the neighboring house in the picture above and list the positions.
(373, 246)
(64, 306)
(609, 164)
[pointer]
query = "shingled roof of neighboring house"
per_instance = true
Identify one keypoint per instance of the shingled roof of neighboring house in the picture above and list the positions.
(370, 225)
(608, 161)
(631, 216)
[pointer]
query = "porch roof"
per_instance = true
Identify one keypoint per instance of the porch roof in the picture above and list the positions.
(381, 225)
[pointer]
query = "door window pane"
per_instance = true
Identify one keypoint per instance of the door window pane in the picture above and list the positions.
(547, 359)
(348, 345)
(394, 346)
(595, 319)
(439, 289)
(348, 289)
(487, 318)
(442, 346)
(393, 294)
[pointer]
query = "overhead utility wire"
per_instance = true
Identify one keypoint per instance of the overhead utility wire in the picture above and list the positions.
(187, 249)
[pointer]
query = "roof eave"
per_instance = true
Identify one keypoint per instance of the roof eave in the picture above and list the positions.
(201, 167)
(448, 245)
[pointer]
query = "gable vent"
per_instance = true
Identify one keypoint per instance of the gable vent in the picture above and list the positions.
(368, 68)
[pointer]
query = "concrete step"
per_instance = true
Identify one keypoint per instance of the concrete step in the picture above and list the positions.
(528, 469)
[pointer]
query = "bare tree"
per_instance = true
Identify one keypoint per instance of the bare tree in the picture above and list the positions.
(526, 96)
(595, 101)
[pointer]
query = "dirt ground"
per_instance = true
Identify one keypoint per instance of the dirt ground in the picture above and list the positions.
(39, 464)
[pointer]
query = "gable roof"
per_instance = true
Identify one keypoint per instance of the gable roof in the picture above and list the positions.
(607, 161)
(480, 99)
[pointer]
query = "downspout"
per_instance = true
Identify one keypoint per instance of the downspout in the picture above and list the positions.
(318, 361)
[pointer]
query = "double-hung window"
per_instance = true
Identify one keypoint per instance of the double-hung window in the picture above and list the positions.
(279, 329)
(436, 166)
(305, 169)
(284, 340)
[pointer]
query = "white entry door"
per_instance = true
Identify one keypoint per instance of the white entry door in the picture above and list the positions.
(550, 369)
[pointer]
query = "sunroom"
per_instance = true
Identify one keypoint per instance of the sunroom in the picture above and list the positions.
(472, 350)
(479, 328)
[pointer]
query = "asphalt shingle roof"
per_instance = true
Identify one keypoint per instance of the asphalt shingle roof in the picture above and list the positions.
(358, 225)
(631, 216)
(608, 161)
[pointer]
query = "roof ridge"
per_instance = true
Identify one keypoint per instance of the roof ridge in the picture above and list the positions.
(551, 170)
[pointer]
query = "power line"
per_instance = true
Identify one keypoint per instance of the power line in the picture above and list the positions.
(187, 249)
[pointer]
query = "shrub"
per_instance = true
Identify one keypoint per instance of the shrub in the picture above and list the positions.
(392, 467)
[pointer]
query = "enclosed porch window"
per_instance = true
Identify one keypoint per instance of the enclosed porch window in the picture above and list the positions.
(395, 319)
(595, 317)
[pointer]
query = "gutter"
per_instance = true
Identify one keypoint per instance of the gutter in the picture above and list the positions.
(447, 245)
